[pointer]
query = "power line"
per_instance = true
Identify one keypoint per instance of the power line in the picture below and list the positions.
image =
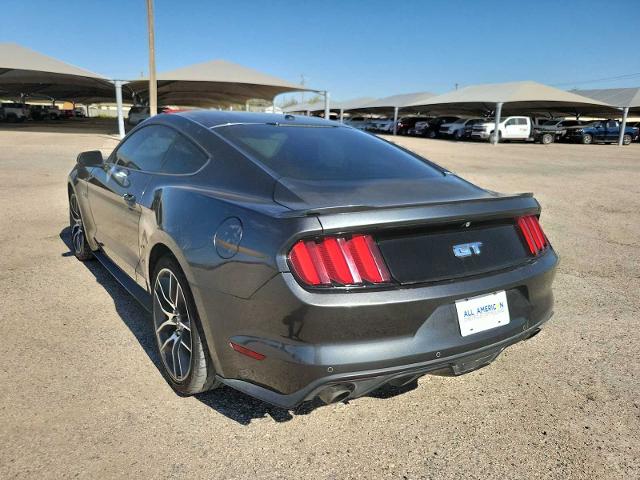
(604, 79)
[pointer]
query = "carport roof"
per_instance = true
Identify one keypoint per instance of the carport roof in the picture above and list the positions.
(619, 97)
(214, 83)
(389, 103)
(517, 97)
(318, 106)
(25, 71)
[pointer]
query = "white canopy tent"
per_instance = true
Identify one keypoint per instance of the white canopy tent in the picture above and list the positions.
(393, 104)
(512, 98)
(26, 73)
(628, 99)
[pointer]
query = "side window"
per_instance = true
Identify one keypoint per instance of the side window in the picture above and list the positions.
(145, 149)
(522, 121)
(612, 124)
(510, 122)
(183, 157)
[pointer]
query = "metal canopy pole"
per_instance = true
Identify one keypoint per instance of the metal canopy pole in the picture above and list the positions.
(496, 128)
(395, 120)
(153, 84)
(326, 105)
(342, 115)
(118, 84)
(625, 112)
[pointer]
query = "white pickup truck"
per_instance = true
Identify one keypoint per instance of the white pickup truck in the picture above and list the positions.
(510, 128)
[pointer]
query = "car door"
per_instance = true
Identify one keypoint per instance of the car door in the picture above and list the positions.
(599, 131)
(510, 128)
(612, 130)
(116, 188)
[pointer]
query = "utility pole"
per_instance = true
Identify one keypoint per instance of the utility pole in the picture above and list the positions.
(153, 84)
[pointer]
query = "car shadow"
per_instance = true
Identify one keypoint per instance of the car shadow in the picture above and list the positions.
(231, 403)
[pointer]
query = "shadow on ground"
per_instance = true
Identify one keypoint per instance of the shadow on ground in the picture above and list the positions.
(231, 403)
(106, 126)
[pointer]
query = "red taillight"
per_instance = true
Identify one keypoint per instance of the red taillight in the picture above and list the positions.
(533, 235)
(354, 260)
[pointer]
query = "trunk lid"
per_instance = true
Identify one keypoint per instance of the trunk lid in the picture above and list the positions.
(374, 194)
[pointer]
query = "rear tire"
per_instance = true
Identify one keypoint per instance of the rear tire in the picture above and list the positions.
(626, 139)
(458, 135)
(78, 241)
(587, 139)
(185, 359)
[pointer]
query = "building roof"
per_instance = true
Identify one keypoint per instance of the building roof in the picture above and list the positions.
(25, 71)
(217, 83)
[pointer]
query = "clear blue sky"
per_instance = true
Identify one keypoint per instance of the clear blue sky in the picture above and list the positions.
(353, 48)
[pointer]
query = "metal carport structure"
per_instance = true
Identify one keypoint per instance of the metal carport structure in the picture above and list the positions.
(513, 98)
(393, 104)
(339, 107)
(215, 84)
(27, 73)
(628, 99)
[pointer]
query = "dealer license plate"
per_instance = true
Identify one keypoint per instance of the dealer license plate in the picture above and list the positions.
(482, 313)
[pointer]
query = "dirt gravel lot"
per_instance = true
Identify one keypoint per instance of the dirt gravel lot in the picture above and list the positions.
(81, 394)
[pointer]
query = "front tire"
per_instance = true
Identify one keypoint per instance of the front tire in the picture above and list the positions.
(587, 139)
(185, 360)
(626, 139)
(547, 138)
(80, 246)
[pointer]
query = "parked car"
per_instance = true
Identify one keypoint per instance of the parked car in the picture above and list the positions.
(468, 128)
(13, 112)
(37, 112)
(457, 129)
(137, 114)
(53, 112)
(603, 131)
(554, 130)
(358, 122)
(79, 112)
(274, 259)
(431, 128)
(382, 125)
(636, 125)
(406, 125)
(510, 128)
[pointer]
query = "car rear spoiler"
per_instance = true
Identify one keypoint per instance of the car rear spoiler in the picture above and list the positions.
(335, 219)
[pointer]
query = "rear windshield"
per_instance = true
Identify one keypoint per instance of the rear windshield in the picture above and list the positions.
(325, 153)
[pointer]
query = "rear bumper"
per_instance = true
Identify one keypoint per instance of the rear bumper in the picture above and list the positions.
(352, 385)
(314, 340)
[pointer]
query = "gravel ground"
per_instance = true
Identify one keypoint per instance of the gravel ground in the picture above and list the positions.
(81, 395)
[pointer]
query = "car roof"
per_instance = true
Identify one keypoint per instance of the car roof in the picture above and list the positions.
(214, 118)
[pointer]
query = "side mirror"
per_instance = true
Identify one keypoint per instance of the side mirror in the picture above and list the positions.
(92, 158)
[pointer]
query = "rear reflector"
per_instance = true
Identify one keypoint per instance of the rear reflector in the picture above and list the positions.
(246, 351)
(533, 235)
(354, 260)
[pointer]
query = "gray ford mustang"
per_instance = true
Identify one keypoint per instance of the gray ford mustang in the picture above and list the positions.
(293, 258)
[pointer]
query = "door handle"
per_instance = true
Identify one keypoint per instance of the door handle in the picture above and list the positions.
(129, 199)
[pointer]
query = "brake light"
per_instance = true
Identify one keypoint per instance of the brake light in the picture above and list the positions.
(341, 260)
(533, 235)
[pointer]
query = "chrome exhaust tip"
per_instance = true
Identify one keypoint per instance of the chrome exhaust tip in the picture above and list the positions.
(335, 393)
